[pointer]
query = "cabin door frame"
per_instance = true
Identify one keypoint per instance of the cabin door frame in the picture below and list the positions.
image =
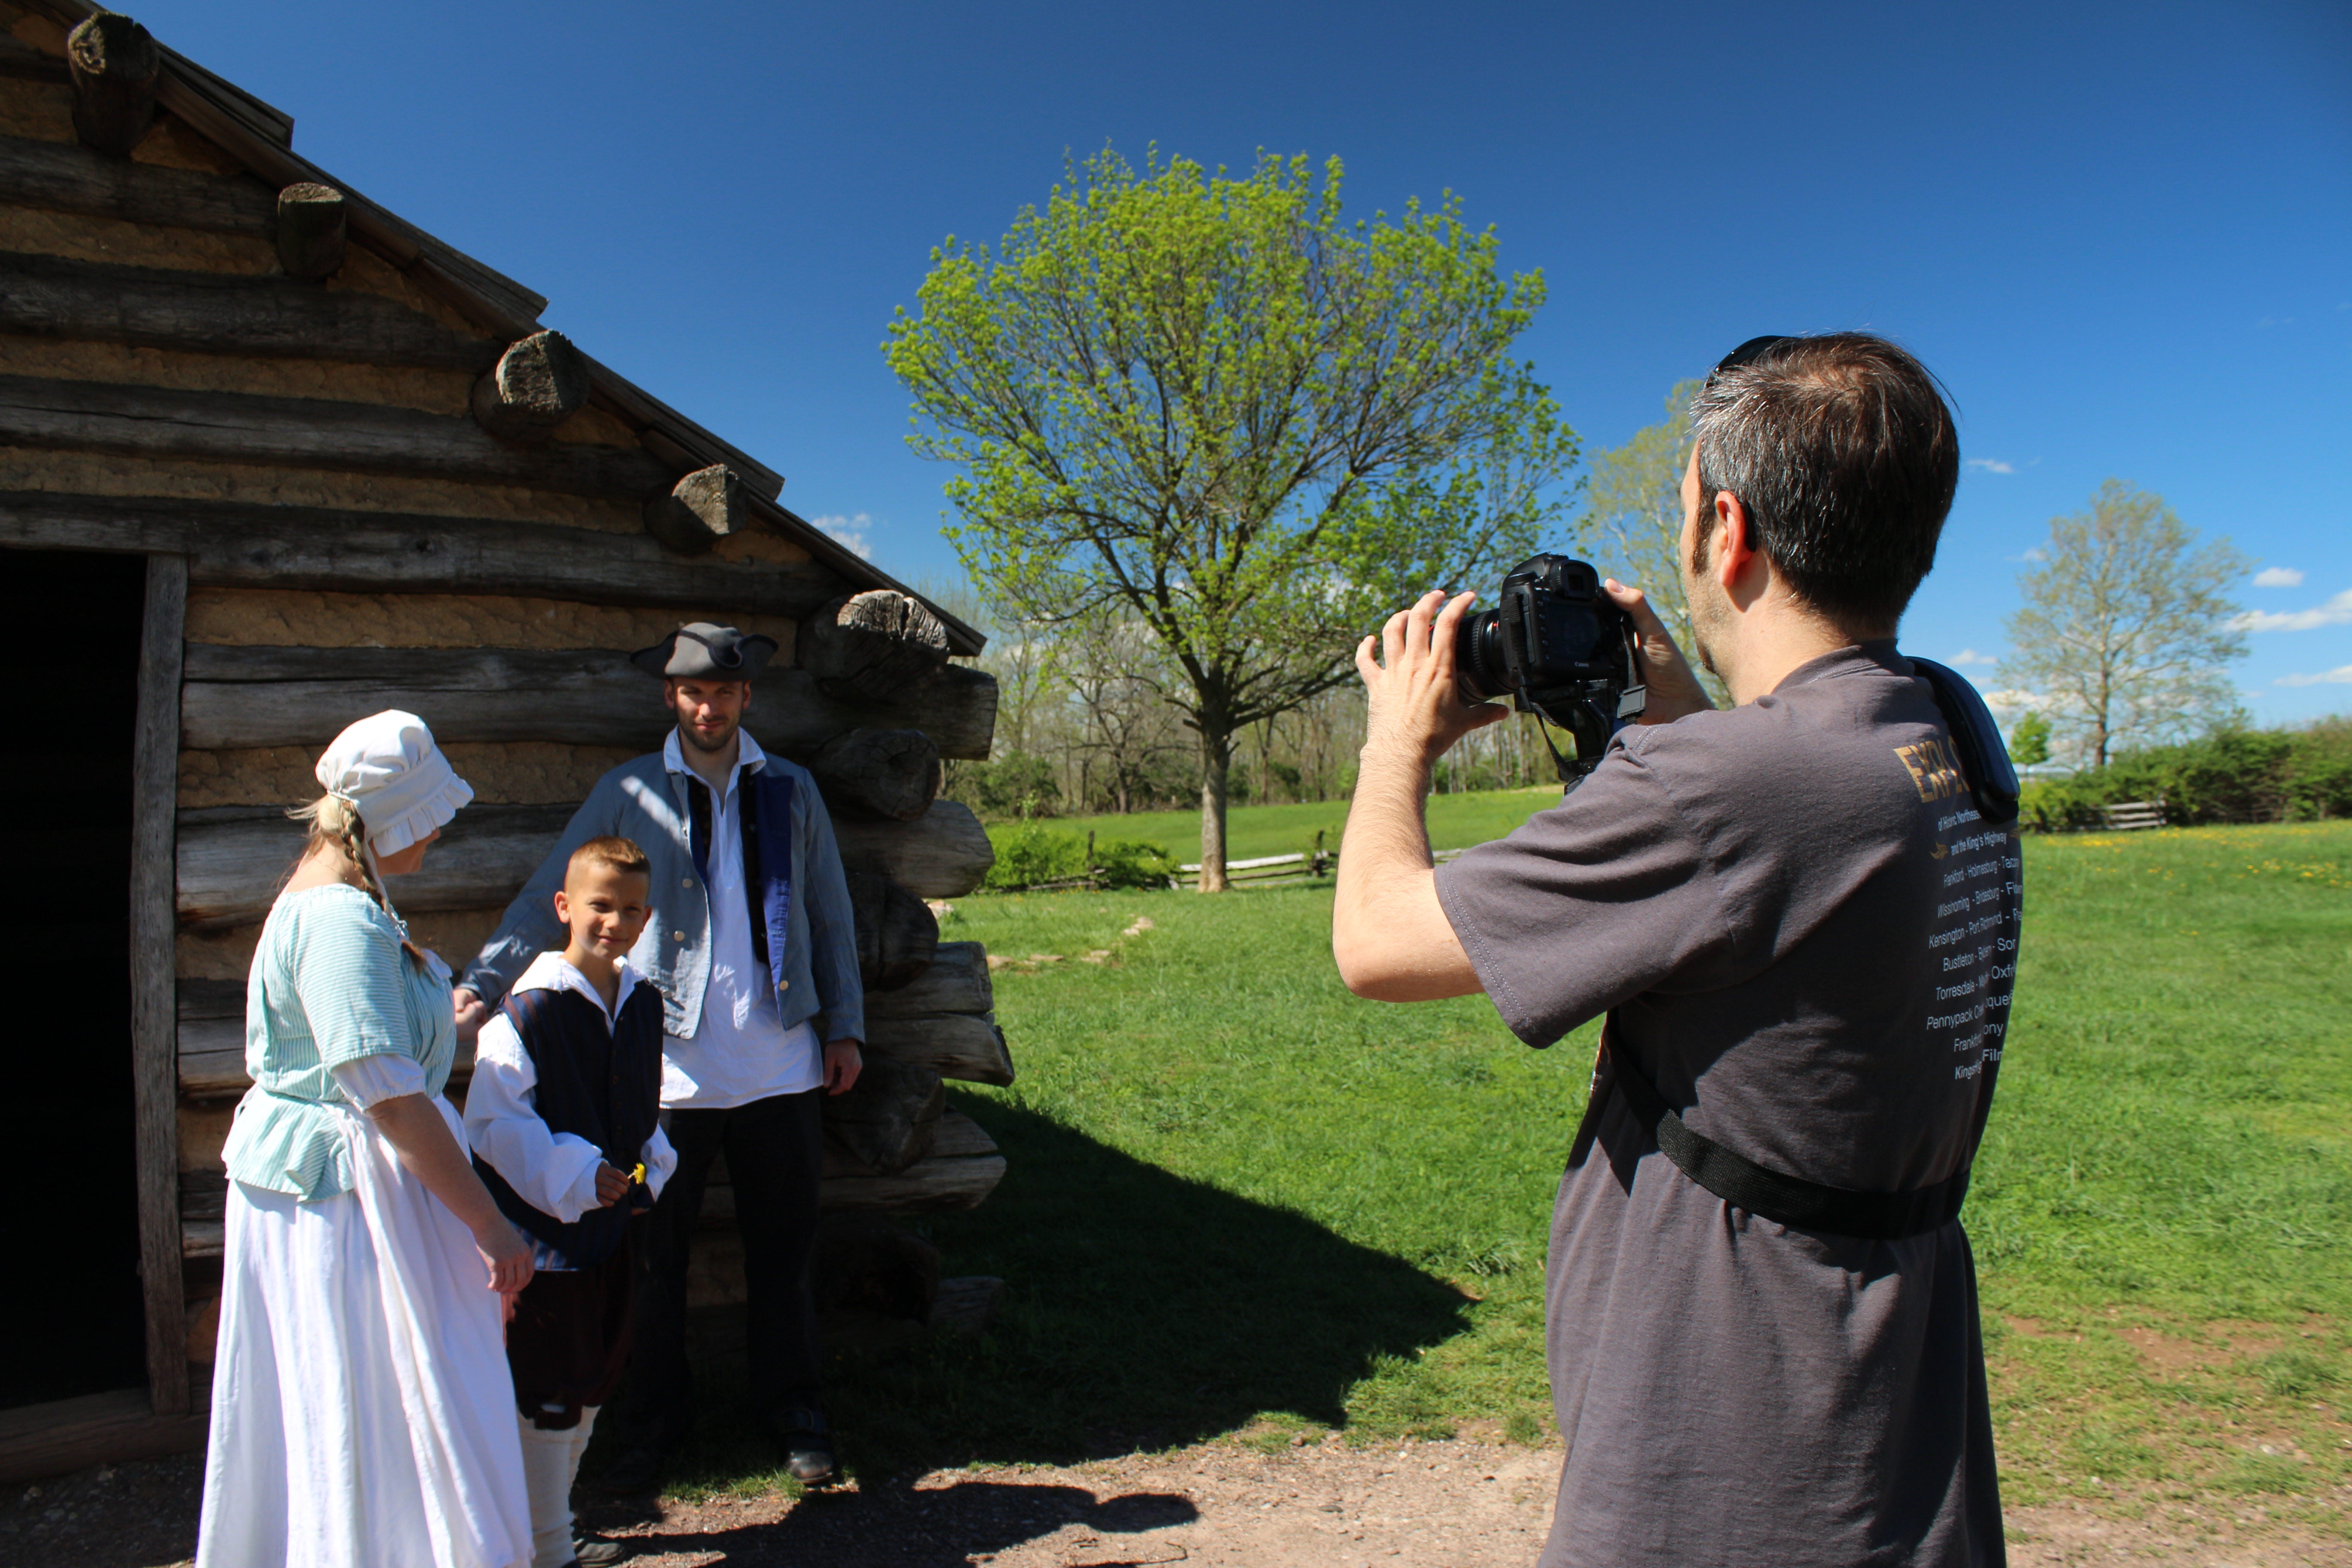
(154, 967)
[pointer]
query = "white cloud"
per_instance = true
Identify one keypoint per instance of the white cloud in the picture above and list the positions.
(2278, 577)
(849, 531)
(1970, 656)
(2336, 612)
(1991, 465)
(2340, 676)
(2035, 553)
(2015, 701)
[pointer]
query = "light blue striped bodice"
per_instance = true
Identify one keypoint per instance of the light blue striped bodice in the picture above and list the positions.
(330, 984)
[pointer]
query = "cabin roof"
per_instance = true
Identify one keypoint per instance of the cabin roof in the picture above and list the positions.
(261, 137)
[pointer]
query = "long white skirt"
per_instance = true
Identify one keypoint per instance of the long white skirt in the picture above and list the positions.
(362, 1413)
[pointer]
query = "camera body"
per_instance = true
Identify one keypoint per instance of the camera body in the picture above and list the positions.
(1561, 649)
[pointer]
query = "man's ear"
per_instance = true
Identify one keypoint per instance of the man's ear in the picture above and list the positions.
(1735, 536)
(562, 907)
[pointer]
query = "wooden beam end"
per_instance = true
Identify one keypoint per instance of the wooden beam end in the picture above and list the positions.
(700, 510)
(313, 231)
(115, 64)
(537, 384)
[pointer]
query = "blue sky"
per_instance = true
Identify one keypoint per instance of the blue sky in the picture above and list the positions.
(2121, 234)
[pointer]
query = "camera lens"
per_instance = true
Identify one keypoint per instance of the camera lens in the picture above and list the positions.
(1478, 667)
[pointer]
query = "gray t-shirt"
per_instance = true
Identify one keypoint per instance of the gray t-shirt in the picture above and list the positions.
(1808, 939)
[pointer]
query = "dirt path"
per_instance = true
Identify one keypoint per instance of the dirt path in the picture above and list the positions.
(1442, 1505)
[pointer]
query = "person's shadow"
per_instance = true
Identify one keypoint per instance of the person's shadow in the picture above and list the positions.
(942, 1527)
(1141, 1311)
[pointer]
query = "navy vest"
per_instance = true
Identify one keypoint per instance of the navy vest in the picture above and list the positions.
(598, 1084)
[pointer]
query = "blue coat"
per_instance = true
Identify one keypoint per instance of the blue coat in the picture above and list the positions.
(803, 896)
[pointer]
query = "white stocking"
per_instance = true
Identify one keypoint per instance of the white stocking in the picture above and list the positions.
(550, 1461)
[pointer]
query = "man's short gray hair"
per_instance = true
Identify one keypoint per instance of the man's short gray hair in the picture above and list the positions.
(1844, 454)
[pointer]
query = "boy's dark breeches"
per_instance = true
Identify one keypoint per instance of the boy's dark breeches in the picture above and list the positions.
(774, 1151)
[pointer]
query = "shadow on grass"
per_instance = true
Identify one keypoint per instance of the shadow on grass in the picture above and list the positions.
(1141, 1311)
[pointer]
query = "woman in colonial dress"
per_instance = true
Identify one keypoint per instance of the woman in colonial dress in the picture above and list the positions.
(363, 1411)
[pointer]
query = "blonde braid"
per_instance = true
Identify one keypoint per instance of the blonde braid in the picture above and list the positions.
(336, 820)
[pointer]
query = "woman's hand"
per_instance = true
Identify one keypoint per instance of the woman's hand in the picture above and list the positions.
(507, 1252)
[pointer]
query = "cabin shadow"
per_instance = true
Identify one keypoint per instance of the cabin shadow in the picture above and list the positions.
(1141, 1311)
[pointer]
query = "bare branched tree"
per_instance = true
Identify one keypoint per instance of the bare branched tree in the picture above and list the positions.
(2126, 628)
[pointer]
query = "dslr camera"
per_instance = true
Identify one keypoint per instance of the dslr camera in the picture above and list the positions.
(1562, 651)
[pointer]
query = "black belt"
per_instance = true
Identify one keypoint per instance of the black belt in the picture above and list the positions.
(1783, 1199)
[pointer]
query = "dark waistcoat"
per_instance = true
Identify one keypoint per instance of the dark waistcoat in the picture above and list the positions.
(603, 1085)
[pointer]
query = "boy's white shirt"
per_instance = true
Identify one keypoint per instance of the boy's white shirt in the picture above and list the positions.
(553, 1172)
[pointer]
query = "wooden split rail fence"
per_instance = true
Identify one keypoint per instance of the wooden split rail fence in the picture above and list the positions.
(1267, 870)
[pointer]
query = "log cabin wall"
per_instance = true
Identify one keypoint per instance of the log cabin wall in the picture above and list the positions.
(364, 478)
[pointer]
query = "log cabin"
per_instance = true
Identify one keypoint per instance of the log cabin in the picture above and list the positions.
(272, 458)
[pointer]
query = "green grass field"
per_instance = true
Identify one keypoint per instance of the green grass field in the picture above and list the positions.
(1455, 822)
(1240, 1200)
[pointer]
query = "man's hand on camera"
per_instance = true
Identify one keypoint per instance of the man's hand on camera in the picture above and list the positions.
(1673, 687)
(1389, 934)
(1414, 710)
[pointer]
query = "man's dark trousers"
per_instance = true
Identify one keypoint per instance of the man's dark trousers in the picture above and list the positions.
(775, 1157)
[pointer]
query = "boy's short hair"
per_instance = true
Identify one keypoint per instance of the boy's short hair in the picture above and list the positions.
(612, 852)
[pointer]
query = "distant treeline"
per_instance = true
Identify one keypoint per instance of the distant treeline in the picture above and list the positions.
(2231, 775)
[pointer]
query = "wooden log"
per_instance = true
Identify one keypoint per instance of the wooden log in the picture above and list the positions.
(537, 384)
(23, 62)
(889, 775)
(305, 433)
(700, 510)
(930, 1186)
(943, 855)
(259, 696)
(225, 312)
(871, 644)
(965, 1304)
(897, 933)
(211, 1058)
(233, 544)
(231, 859)
(115, 65)
(312, 234)
(956, 981)
(887, 1121)
(60, 177)
(155, 770)
(866, 1265)
(41, 1440)
(953, 1045)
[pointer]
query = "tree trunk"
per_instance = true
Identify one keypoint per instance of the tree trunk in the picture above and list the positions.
(1216, 762)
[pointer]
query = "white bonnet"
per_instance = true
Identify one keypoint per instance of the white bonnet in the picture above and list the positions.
(388, 768)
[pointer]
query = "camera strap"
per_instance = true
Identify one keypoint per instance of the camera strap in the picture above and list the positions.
(1743, 1184)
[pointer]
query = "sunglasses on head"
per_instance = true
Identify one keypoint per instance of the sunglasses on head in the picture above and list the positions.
(1748, 350)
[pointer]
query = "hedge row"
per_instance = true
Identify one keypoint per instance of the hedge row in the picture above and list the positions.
(1030, 855)
(2238, 776)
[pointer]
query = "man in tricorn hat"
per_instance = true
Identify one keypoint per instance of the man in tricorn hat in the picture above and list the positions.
(754, 950)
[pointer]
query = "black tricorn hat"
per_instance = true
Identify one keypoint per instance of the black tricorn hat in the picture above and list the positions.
(700, 651)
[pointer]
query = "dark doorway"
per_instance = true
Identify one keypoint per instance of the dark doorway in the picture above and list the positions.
(72, 1314)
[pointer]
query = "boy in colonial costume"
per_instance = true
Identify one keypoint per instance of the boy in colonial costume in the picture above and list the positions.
(565, 1118)
(755, 952)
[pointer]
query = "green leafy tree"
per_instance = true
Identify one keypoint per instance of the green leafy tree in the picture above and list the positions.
(2126, 626)
(2029, 740)
(1632, 518)
(1209, 404)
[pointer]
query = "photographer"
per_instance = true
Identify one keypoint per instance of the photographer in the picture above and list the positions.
(1801, 931)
